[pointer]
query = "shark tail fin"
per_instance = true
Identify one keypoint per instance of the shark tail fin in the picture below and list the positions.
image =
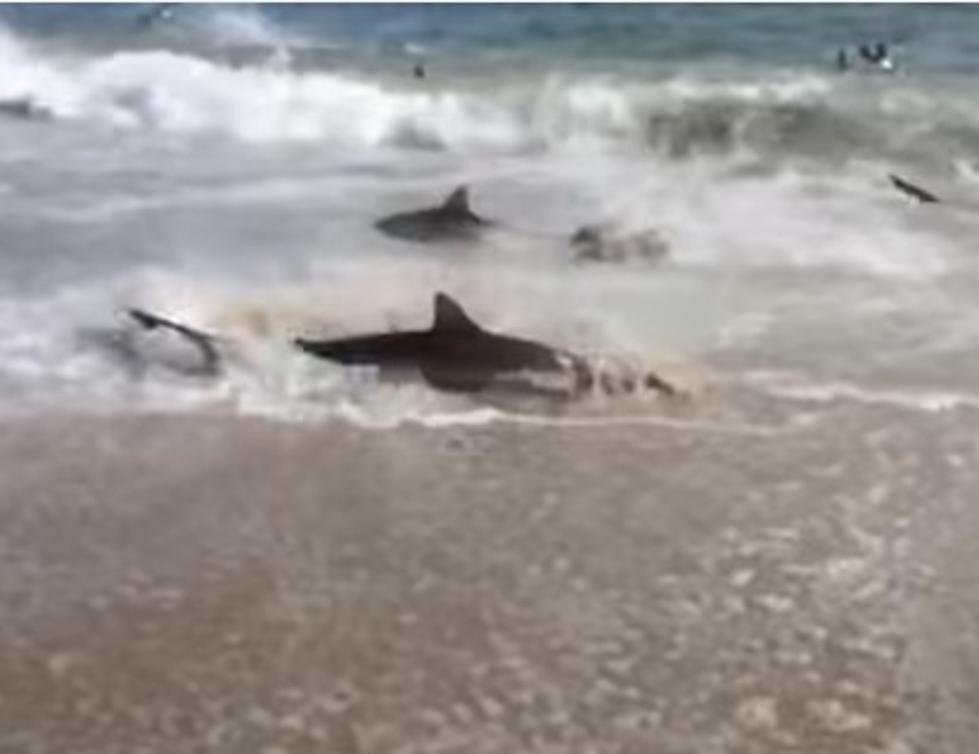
(451, 317)
(147, 320)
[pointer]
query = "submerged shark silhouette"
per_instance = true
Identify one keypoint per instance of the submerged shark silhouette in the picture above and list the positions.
(451, 220)
(455, 354)
(206, 360)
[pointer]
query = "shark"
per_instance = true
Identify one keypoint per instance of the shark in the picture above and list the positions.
(453, 220)
(455, 354)
(458, 355)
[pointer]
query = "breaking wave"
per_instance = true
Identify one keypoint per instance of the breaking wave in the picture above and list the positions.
(784, 115)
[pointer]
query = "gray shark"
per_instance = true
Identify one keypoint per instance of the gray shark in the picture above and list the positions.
(453, 220)
(455, 354)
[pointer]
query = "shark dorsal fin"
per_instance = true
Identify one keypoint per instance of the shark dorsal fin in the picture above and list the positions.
(451, 317)
(458, 201)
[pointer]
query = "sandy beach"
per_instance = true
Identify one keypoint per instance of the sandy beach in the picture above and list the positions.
(183, 584)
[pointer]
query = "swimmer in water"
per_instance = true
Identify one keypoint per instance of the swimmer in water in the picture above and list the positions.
(877, 56)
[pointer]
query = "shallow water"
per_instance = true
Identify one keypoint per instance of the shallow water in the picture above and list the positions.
(299, 557)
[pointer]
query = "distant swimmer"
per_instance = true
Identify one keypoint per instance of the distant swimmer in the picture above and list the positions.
(882, 58)
(842, 62)
(419, 71)
(915, 192)
(877, 55)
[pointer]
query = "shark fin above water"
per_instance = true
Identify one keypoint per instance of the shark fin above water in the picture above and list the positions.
(453, 219)
(458, 201)
(450, 317)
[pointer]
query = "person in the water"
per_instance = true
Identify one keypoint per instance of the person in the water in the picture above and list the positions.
(877, 55)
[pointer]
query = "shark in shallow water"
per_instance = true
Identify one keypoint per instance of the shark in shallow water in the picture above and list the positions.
(456, 354)
(453, 220)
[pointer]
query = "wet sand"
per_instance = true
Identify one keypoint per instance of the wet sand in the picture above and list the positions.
(190, 584)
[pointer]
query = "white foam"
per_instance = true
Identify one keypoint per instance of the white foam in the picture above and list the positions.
(182, 93)
(238, 25)
(828, 392)
(646, 420)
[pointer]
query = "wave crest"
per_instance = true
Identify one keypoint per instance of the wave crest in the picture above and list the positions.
(788, 115)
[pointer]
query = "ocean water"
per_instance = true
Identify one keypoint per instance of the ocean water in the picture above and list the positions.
(225, 164)
(295, 557)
